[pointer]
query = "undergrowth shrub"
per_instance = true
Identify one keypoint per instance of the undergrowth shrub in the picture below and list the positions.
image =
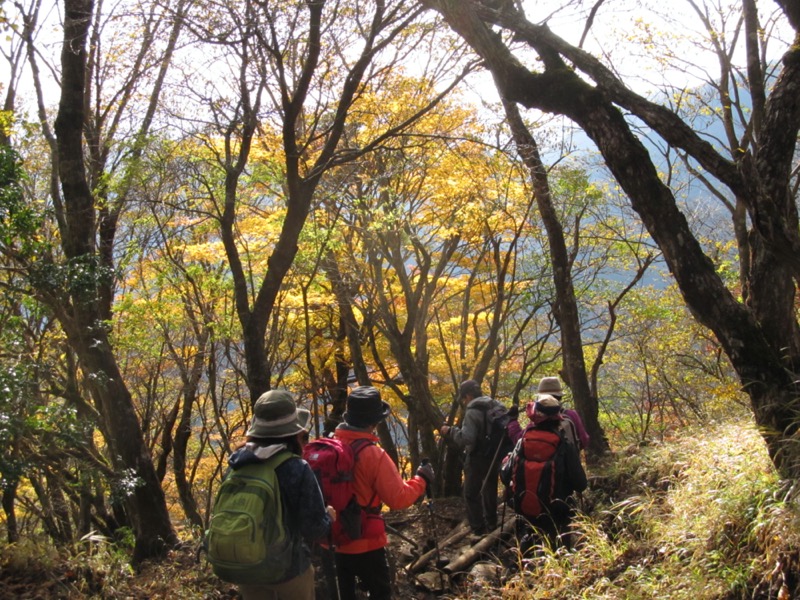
(701, 517)
(97, 569)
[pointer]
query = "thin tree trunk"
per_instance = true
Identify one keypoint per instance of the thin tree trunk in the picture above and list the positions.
(566, 306)
(352, 333)
(8, 500)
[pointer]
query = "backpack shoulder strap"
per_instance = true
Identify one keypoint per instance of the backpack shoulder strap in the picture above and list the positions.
(359, 444)
(481, 408)
(484, 408)
(570, 424)
(517, 451)
(279, 458)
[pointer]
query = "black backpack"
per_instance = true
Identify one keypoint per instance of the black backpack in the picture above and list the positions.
(495, 440)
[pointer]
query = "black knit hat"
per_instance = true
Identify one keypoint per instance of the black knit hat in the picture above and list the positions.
(470, 387)
(365, 407)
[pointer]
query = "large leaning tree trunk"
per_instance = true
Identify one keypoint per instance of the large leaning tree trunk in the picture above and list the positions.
(760, 335)
(82, 311)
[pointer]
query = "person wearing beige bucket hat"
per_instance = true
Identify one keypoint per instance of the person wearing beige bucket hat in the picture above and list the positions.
(551, 386)
(280, 426)
(544, 511)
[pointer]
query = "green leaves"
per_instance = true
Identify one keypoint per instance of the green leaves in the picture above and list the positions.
(18, 222)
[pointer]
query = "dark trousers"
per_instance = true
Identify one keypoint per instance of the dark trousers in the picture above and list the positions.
(481, 505)
(551, 529)
(371, 568)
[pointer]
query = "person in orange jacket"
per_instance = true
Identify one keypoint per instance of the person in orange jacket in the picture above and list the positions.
(377, 482)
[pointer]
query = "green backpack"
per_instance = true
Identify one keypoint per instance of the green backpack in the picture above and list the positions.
(247, 541)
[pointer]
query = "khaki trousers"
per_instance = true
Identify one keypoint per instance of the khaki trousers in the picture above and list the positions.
(299, 588)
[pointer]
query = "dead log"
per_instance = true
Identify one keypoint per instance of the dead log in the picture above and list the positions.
(473, 554)
(461, 531)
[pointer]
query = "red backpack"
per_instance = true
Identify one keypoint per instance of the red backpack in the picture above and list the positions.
(333, 462)
(536, 467)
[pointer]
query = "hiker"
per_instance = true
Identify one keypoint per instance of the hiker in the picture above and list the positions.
(480, 469)
(377, 481)
(543, 472)
(552, 386)
(571, 423)
(279, 426)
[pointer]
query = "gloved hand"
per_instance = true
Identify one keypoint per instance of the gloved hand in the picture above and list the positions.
(425, 470)
(513, 412)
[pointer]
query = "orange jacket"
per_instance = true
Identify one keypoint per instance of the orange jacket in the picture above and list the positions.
(377, 481)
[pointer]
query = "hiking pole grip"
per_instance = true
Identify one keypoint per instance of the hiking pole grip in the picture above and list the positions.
(429, 484)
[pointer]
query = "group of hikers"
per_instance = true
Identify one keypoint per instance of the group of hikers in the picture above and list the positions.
(282, 494)
(541, 473)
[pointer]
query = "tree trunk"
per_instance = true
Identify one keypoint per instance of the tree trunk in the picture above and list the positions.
(461, 531)
(504, 531)
(82, 319)
(566, 306)
(8, 499)
(761, 338)
(352, 333)
(183, 433)
(191, 376)
(144, 498)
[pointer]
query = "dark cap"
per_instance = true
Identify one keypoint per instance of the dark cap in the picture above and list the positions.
(365, 407)
(470, 387)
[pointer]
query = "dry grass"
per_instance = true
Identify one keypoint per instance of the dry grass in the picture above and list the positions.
(703, 517)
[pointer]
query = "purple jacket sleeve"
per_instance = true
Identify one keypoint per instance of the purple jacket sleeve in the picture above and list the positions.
(514, 430)
(576, 418)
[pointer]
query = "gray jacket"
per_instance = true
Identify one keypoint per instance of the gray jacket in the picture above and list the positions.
(472, 429)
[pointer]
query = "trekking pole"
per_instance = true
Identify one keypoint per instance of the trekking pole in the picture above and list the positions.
(329, 566)
(429, 502)
(405, 538)
(491, 467)
(503, 514)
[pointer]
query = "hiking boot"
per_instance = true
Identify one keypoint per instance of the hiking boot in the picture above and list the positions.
(477, 535)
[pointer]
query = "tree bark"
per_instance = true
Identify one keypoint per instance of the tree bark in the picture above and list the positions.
(566, 306)
(472, 555)
(461, 531)
(81, 318)
(351, 328)
(8, 500)
(761, 338)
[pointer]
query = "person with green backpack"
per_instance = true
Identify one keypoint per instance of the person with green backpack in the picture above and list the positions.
(269, 509)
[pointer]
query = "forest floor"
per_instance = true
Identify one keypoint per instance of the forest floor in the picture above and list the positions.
(699, 518)
(186, 573)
